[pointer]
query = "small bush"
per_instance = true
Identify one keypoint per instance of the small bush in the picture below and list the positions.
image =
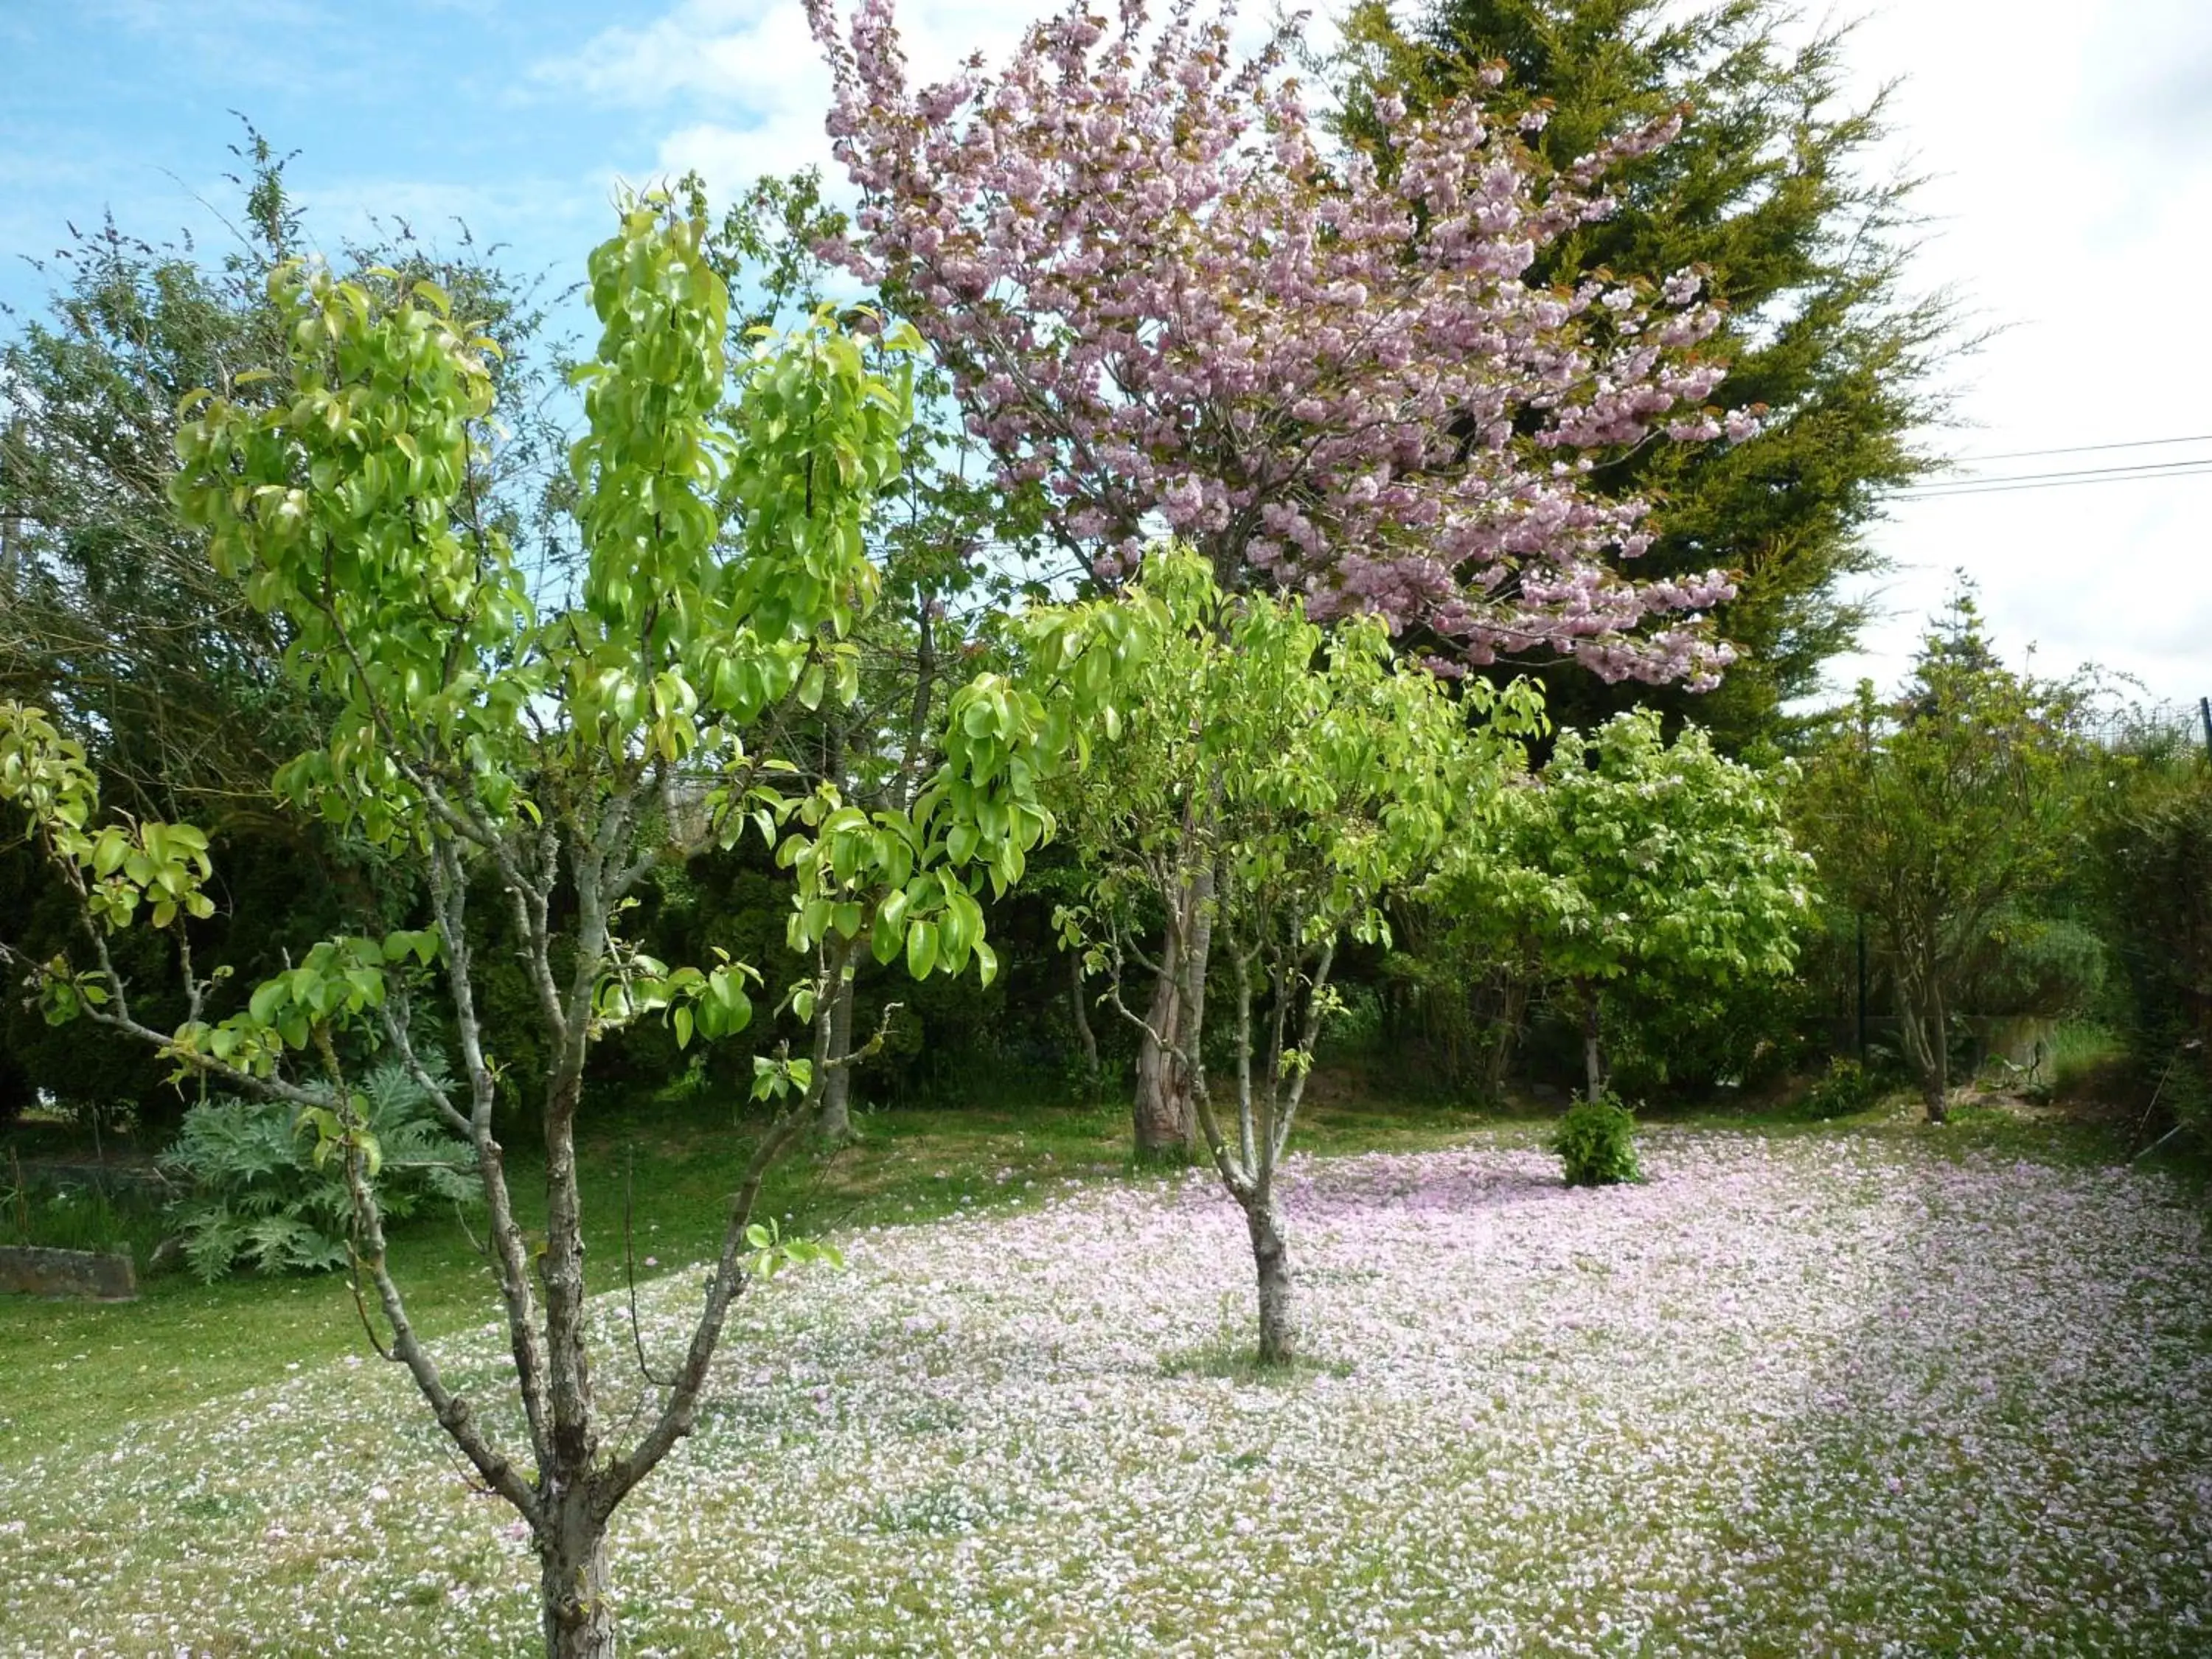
(256, 1196)
(1845, 1088)
(1597, 1142)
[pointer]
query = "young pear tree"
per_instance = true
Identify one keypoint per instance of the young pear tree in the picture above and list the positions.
(949, 545)
(1309, 774)
(569, 753)
(1630, 856)
(1167, 302)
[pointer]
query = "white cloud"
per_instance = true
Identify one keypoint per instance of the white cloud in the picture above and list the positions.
(751, 77)
(751, 74)
(2071, 168)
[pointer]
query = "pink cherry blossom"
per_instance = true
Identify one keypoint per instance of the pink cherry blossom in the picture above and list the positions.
(1159, 288)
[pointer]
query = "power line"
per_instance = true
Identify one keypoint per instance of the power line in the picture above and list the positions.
(2129, 468)
(2195, 469)
(2082, 449)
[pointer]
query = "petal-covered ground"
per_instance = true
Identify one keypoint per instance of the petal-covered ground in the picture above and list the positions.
(1822, 1395)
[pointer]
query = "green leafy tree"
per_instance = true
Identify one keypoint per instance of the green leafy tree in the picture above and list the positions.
(1936, 813)
(112, 615)
(1633, 858)
(1308, 775)
(951, 545)
(1770, 189)
(569, 752)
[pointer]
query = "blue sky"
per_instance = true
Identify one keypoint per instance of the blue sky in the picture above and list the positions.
(430, 109)
(2067, 144)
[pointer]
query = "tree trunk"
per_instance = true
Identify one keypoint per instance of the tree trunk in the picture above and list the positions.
(1158, 1111)
(1271, 1256)
(1084, 1038)
(1938, 1077)
(1497, 1058)
(835, 1121)
(572, 1554)
(1165, 1116)
(1922, 1024)
(1593, 1069)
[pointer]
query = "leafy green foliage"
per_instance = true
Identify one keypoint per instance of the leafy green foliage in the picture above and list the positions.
(565, 752)
(770, 1250)
(1844, 1088)
(1685, 1038)
(1633, 857)
(1303, 776)
(113, 619)
(1273, 785)
(1668, 860)
(1597, 1143)
(1941, 813)
(2153, 880)
(2037, 962)
(261, 1193)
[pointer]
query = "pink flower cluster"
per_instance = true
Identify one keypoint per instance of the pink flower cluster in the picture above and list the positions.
(1164, 301)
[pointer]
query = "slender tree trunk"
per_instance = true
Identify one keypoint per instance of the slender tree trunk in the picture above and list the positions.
(572, 1584)
(835, 1121)
(1497, 1058)
(1271, 1256)
(1592, 1060)
(1938, 1076)
(1085, 1038)
(1165, 1118)
(1922, 1024)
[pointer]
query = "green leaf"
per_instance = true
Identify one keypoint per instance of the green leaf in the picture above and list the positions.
(920, 949)
(267, 997)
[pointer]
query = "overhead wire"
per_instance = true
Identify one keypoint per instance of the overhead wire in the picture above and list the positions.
(2083, 449)
(2064, 477)
(2190, 468)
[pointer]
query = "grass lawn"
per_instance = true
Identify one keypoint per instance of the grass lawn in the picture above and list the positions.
(1847, 1390)
(78, 1369)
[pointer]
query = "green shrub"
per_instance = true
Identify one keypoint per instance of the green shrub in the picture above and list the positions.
(256, 1194)
(1597, 1142)
(1681, 1040)
(2151, 868)
(1845, 1088)
(2048, 965)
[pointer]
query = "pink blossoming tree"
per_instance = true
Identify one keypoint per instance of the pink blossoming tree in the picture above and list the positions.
(1166, 304)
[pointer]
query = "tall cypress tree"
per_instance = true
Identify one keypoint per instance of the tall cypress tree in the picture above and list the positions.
(1770, 187)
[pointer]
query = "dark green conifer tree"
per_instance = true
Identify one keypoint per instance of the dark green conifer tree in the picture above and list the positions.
(1772, 187)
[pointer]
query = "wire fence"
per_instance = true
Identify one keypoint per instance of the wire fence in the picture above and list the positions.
(2136, 724)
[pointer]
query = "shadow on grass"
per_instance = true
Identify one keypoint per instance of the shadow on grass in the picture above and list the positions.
(2012, 1453)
